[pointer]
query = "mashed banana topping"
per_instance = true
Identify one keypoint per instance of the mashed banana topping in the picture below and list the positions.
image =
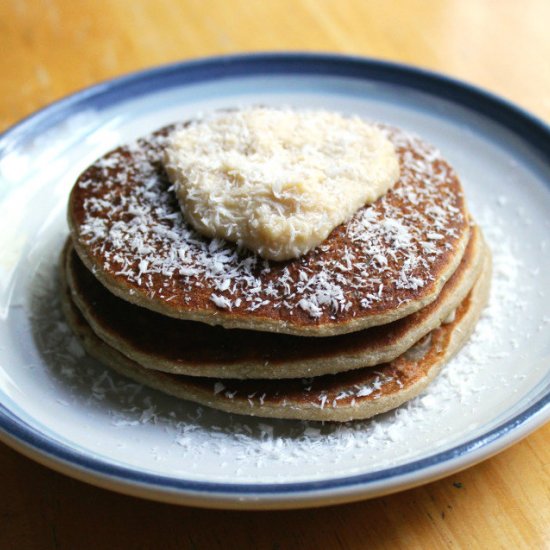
(278, 181)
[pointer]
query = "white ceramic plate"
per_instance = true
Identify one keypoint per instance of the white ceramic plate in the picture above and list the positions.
(65, 410)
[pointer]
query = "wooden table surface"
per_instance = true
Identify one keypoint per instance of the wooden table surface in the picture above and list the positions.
(50, 48)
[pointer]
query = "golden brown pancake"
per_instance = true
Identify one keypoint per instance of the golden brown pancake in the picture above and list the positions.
(345, 396)
(187, 347)
(390, 260)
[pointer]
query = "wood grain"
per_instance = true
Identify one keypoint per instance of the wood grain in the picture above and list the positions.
(51, 48)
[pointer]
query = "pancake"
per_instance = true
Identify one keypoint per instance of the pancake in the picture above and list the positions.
(196, 349)
(390, 260)
(346, 396)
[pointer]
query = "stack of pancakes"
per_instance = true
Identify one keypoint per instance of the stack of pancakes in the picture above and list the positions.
(356, 327)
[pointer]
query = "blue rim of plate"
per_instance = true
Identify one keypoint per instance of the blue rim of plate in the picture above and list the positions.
(532, 130)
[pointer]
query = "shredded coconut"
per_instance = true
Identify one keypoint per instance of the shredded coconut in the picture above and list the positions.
(277, 181)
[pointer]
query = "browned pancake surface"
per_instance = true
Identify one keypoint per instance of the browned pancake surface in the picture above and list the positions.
(390, 260)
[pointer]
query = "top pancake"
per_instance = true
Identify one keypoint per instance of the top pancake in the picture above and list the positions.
(391, 259)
